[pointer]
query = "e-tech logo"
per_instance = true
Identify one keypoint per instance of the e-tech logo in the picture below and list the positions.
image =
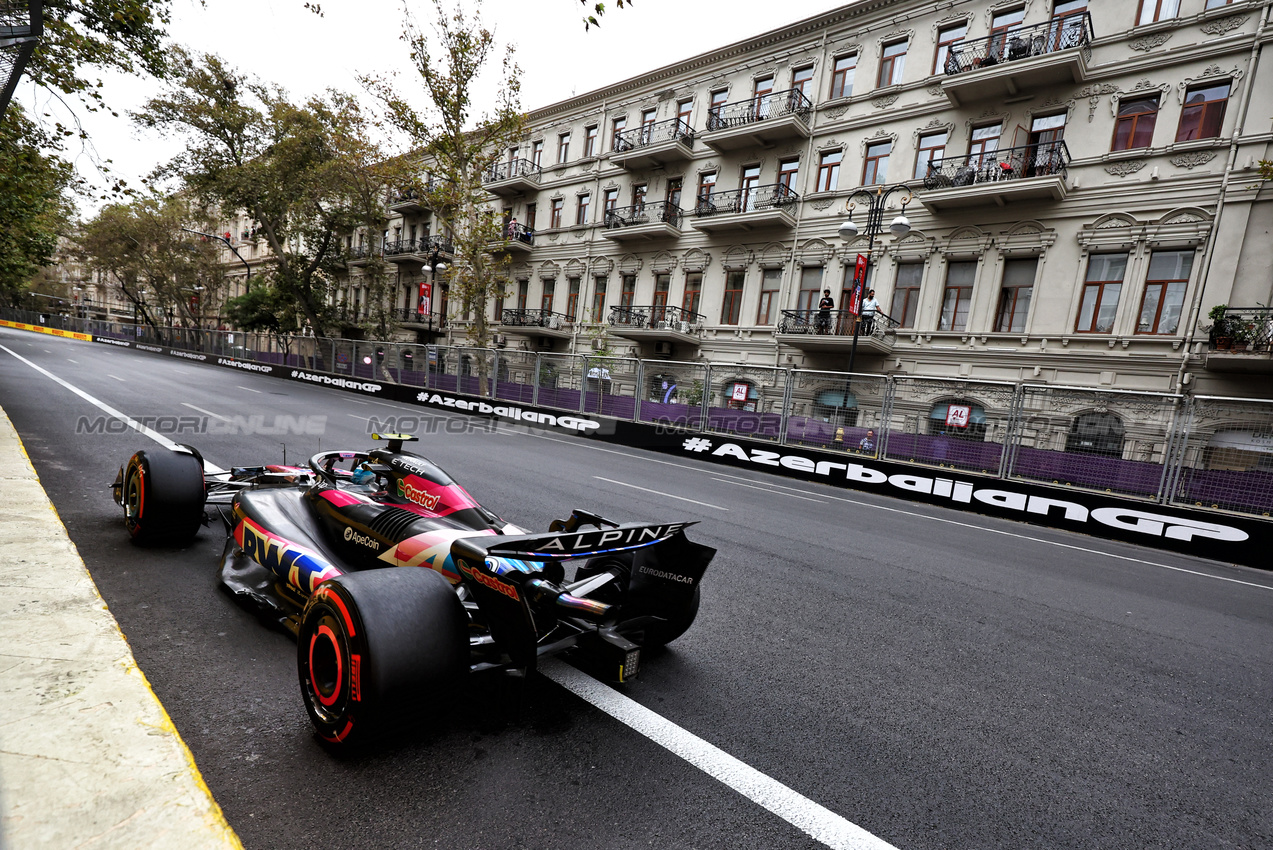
(1126, 519)
(574, 423)
(328, 380)
(361, 539)
(422, 497)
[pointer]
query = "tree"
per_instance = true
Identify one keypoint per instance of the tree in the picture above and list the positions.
(141, 247)
(599, 9)
(34, 209)
(459, 146)
(301, 171)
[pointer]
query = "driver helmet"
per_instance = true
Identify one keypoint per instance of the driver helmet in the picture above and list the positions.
(363, 474)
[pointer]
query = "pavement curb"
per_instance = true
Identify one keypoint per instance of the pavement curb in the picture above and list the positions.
(88, 756)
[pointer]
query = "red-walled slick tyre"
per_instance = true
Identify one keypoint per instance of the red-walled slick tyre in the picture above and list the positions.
(379, 648)
(163, 497)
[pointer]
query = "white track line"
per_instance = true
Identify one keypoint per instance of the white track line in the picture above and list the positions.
(249, 389)
(118, 378)
(659, 493)
(768, 489)
(818, 821)
(100, 405)
(207, 412)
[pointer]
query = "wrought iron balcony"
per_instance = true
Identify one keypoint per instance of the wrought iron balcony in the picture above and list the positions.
(673, 130)
(746, 208)
(762, 120)
(521, 317)
(809, 330)
(412, 316)
(1241, 340)
(998, 176)
(1023, 57)
(419, 247)
(513, 177)
(656, 211)
(655, 317)
(362, 253)
(407, 200)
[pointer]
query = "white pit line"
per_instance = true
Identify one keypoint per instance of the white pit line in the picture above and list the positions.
(817, 821)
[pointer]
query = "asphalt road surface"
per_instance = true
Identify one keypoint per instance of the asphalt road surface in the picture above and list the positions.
(939, 679)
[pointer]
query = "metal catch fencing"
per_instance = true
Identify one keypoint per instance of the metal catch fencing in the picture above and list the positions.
(1197, 451)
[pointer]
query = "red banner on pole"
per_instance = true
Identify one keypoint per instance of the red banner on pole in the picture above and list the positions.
(859, 280)
(425, 305)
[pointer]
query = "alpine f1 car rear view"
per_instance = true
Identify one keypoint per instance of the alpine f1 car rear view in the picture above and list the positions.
(318, 550)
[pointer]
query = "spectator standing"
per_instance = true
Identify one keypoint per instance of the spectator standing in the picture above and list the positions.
(825, 306)
(869, 308)
(867, 443)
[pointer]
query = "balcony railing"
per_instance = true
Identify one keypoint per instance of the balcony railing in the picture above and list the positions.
(516, 232)
(1242, 329)
(521, 317)
(745, 200)
(835, 323)
(425, 245)
(1039, 160)
(674, 130)
(658, 212)
(363, 252)
(1022, 42)
(414, 316)
(758, 108)
(509, 170)
(655, 317)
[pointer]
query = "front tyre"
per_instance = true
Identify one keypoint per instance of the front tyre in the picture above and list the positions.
(163, 497)
(378, 648)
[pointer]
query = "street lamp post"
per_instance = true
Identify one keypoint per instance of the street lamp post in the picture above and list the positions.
(876, 201)
(248, 279)
(434, 266)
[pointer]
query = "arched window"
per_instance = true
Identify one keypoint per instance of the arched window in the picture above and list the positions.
(740, 395)
(837, 406)
(961, 419)
(1097, 434)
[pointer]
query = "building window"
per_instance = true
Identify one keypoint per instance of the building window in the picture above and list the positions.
(985, 141)
(932, 147)
(706, 183)
(1217, 4)
(875, 170)
(769, 282)
(537, 153)
(572, 298)
(1159, 10)
(684, 113)
(581, 211)
(788, 172)
(1100, 293)
(842, 76)
(620, 124)
(1135, 125)
(760, 91)
(829, 171)
(523, 291)
(892, 63)
(947, 37)
(546, 300)
(957, 297)
(530, 217)
(598, 298)
(662, 286)
(802, 81)
(1203, 114)
(906, 294)
(810, 289)
(732, 304)
(590, 141)
(609, 201)
(692, 299)
(554, 214)
(563, 147)
(628, 291)
(674, 192)
(715, 105)
(1014, 298)
(1097, 434)
(1164, 292)
(638, 197)
(1002, 26)
(647, 122)
(748, 180)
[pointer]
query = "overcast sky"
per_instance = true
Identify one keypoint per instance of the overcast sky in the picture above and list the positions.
(280, 42)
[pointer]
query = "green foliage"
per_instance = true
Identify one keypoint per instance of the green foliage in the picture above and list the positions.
(33, 205)
(1266, 169)
(261, 309)
(599, 9)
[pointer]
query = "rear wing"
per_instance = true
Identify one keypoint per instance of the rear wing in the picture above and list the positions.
(565, 546)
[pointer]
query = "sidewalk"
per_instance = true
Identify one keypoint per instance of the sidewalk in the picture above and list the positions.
(88, 756)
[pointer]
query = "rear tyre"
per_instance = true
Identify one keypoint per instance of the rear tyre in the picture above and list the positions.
(163, 495)
(379, 648)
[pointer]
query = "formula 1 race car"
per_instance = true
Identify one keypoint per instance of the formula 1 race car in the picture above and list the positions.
(314, 550)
